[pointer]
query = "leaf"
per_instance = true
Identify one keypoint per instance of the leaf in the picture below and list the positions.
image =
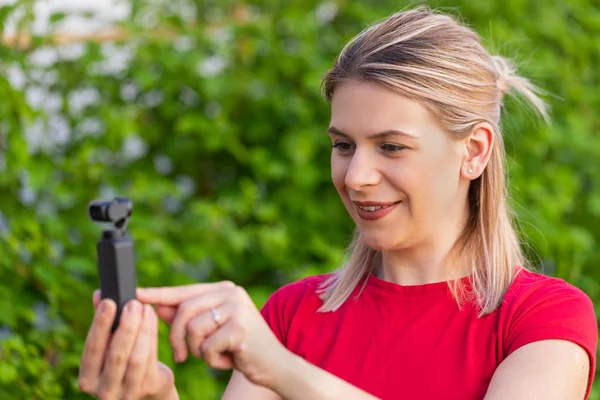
(57, 17)
(8, 373)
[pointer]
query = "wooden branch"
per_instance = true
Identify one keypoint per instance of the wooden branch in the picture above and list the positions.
(24, 41)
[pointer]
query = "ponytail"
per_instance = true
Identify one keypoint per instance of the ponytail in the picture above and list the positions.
(508, 79)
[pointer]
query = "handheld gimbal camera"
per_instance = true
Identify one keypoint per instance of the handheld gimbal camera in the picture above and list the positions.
(116, 264)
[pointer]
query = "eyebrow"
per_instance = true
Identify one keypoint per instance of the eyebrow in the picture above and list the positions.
(381, 135)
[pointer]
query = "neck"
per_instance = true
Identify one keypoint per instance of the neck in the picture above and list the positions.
(409, 267)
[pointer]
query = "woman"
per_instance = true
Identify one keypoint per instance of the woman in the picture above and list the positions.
(434, 301)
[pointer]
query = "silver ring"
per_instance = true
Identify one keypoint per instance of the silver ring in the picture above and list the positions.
(215, 316)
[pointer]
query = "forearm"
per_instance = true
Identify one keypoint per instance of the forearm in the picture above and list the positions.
(300, 379)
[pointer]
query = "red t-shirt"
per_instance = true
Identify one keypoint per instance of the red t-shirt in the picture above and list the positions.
(412, 342)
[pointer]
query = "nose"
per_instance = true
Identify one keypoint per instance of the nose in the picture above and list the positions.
(361, 172)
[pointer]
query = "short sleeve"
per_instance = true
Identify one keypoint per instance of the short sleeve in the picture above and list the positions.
(554, 309)
(273, 313)
(283, 305)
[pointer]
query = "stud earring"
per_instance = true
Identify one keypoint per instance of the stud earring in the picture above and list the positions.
(470, 171)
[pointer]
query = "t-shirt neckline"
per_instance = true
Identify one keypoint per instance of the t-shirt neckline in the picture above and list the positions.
(423, 289)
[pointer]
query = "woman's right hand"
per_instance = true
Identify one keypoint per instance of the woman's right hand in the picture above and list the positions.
(124, 365)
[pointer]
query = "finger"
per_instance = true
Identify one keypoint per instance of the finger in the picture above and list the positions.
(204, 325)
(218, 348)
(172, 296)
(139, 360)
(188, 310)
(166, 313)
(153, 359)
(96, 343)
(157, 374)
(96, 298)
(119, 350)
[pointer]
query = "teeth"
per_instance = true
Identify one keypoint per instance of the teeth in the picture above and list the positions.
(371, 208)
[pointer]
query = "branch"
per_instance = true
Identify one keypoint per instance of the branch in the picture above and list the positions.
(24, 41)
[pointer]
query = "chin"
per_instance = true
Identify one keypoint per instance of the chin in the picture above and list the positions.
(380, 242)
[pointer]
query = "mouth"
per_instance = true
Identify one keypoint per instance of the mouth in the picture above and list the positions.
(371, 210)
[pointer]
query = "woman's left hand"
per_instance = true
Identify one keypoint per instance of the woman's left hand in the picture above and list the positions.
(234, 335)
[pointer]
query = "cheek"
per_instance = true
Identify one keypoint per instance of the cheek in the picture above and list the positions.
(420, 182)
(407, 178)
(439, 186)
(338, 174)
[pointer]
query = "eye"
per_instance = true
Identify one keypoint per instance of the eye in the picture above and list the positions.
(392, 148)
(343, 147)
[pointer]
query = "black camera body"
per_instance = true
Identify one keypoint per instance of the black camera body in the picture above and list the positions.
(116, 262)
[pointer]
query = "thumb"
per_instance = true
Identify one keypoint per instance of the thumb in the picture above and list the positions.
(166, 313)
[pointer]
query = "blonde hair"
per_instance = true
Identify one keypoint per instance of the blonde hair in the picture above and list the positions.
(433, 59)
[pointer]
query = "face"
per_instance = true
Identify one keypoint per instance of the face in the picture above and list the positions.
(391, 151)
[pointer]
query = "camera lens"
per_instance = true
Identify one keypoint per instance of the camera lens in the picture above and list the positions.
(116, 210)
(98, 211)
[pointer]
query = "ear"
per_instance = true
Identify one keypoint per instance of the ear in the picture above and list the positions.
(478, 148)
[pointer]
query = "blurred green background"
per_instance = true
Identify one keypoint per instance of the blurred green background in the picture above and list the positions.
(208, 115)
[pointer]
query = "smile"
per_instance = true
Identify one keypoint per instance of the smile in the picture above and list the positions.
(374, 212)
(372, 208)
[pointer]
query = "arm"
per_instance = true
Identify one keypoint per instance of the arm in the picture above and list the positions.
(299, 380)
(545, 369)
(241, 388)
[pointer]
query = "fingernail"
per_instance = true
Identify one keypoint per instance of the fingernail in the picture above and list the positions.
(105, 305)
(132, 306)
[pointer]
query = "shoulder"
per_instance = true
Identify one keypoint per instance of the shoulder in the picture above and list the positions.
(533, 289)
(300, 288)
(538, 307)
(291, 301)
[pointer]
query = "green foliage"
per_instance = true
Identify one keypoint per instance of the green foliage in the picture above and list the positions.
(210, 119)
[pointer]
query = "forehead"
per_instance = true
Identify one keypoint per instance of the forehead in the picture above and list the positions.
(368, 107)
